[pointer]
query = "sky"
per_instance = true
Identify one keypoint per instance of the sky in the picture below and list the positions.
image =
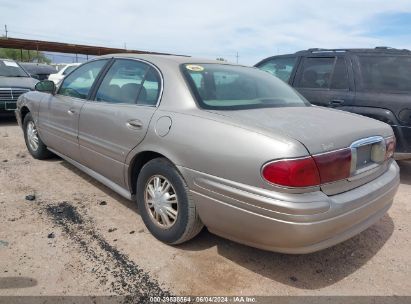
(210, 29)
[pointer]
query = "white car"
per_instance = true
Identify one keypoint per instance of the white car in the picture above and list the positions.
(57, 77)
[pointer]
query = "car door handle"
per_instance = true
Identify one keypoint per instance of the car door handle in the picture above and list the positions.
(336, 102)
(71, 111)
(134, 124)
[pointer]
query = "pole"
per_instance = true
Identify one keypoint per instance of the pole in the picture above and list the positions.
(237, 57)
(5, 29)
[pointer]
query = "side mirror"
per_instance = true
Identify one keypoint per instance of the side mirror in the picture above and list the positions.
(46, 86)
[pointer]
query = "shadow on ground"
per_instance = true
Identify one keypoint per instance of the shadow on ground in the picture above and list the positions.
(6, 121)
(17, 282)
(405, 171)
(310, 271)
(114, 195)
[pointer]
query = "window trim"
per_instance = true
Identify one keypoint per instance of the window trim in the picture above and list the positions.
(113, 60)
(298, 77)
(92, 86)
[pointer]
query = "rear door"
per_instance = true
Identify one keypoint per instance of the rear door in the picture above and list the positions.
(118, 118)
(59, 114)
(325, 81)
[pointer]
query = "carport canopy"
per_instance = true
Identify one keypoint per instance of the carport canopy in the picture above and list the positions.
(49, 46)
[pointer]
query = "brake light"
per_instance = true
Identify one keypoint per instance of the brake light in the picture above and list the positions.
(309, 171)
(390, 143)
(300, 172)
(334, 165)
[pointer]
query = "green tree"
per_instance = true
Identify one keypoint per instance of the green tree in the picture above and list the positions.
(24, 55)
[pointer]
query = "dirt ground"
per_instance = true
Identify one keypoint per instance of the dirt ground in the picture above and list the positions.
(77, 237)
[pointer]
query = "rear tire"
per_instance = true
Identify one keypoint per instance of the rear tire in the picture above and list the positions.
(170, 215)
(33, 141)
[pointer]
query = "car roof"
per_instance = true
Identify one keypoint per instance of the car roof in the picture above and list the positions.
(378, 50)
(164, 59)
(323, 52)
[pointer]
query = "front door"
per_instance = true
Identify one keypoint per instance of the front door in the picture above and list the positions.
(118, 118)
(62, 111)
(324, 81)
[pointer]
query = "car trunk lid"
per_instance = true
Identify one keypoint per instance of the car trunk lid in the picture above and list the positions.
(323, 130)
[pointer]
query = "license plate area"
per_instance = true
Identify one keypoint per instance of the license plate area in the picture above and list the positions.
(10, 105)
(367, 154)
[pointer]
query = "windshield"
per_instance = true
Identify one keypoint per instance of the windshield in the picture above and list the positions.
(9, 68)
(386, 73)
(230, 87)
(69, 69)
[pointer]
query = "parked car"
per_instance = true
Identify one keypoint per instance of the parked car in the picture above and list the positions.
(204, 142)
(14, 81)
(57, 77)
(40, 71)
(371, 82)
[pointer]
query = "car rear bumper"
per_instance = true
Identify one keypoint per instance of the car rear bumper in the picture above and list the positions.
(290, 223)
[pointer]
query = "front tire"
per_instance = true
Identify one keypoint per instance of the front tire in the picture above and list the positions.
(165, 203)
(33, 141)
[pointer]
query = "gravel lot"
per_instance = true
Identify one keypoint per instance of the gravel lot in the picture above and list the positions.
(77, 237)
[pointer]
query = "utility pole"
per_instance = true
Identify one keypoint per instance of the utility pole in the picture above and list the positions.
(5, 29)
(125, 46)
(237, 57)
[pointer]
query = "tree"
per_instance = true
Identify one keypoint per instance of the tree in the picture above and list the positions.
(24, 55)
(221, 59)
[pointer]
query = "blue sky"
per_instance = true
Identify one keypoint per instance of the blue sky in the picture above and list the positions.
(255, 29)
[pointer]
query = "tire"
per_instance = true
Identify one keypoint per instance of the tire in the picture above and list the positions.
(40, 151)
(187, 223)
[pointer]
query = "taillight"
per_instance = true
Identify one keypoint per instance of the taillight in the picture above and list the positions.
(300, 172)
(334, 165)
(390, 147)
(309, 171)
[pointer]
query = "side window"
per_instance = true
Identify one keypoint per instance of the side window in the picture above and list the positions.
(339, 79)
(316, 72)
(130, 81)
(324, 73)
(151, 89)
(281, 67)
(79, 83)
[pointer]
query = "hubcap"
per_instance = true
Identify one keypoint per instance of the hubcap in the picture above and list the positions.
(161, 201)
(32, 136)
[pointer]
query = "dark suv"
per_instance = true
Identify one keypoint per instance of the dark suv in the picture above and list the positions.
(371, 82)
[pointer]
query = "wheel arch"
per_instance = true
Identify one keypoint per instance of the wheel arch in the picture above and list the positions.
(23, 112)
(137, 162)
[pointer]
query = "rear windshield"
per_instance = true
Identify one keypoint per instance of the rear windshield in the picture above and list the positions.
(9, 68)
(386, 73)
(230, 87)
